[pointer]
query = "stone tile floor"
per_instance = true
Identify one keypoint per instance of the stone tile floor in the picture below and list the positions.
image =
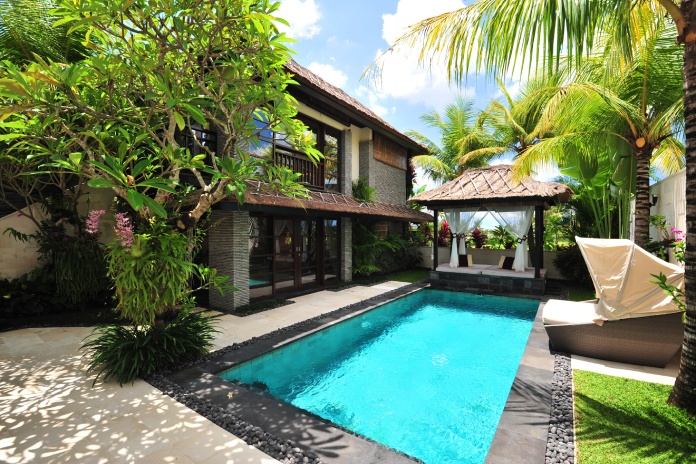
(665, 375)
(50, 413)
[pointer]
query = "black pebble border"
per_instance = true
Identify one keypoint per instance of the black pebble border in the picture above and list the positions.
(283, 450)
(560, 445)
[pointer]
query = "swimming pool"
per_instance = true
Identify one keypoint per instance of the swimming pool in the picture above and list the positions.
(427, 374)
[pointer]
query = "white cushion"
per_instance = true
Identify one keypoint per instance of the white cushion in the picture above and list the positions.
(568, 312)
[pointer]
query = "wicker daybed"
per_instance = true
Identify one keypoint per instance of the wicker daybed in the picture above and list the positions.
(648, 341)
(633, 321)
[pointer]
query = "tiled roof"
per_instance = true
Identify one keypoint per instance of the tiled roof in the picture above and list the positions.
(307, 77)
(493, 183)
(260, 194)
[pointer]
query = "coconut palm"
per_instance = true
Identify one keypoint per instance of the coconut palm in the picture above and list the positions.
(461, 132)
(501, 35)
(27, 28)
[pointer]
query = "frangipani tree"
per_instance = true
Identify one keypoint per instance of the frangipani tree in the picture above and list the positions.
(164, 111)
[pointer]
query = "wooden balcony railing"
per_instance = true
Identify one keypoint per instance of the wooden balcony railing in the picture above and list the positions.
(312, 175)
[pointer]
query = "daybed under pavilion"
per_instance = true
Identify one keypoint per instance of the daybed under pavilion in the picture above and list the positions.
(633, 321)
(513, 202)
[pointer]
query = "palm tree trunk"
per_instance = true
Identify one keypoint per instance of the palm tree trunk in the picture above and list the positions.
(642, 195)
(684, 392)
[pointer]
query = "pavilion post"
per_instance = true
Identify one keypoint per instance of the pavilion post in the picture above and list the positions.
(539, 229)
(435, 239)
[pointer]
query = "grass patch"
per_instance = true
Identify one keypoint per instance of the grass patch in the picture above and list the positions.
(580, 293)
(624, 421)
(410, 276)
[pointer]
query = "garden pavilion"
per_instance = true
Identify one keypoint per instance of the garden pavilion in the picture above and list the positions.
(513, 201)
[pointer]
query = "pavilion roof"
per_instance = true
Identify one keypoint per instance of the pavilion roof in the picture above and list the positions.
(493, 185)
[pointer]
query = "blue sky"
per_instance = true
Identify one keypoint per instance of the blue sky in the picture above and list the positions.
(339, 39)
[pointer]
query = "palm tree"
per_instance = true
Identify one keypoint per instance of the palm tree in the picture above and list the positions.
(461, 131)
(27, 28)
(499, 35)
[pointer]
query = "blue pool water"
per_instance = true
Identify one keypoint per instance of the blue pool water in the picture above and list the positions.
(428, 374)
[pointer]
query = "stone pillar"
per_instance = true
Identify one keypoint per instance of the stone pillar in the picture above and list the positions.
(366, 160)
(346, 242)
(228, 252)
(345, 168)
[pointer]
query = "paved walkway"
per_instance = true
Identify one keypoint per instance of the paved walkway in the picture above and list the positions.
(49, 412)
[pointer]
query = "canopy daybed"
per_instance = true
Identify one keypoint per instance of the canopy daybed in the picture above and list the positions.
(633, 320)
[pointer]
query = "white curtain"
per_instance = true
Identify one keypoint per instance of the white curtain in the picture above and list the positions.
(516, 220)
(461, 222)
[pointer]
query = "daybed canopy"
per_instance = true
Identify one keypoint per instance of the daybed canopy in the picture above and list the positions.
(495, 189)
(621, 273)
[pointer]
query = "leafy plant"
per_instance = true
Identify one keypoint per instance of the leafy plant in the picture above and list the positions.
(571, 265)
(126, 353)
(152, 270)
(500, 238)
(362, 192)
(677, 294)
(373, 255)
(479, 238)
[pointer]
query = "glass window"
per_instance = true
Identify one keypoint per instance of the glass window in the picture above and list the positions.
(331, 250)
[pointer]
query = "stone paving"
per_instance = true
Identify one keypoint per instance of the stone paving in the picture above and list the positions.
(50, 413)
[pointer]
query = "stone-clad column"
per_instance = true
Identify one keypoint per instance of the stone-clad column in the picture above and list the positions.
(345, 168)
(228, 252)
(346, 250)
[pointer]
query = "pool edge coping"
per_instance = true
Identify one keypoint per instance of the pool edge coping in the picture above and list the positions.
(217, 389)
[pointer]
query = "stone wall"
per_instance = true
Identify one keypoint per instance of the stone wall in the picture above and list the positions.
(346, 242)
(228, 243)
(389, 181)
(345, 169)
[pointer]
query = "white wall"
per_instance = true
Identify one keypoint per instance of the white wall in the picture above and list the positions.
(18, 258)
(671, 202)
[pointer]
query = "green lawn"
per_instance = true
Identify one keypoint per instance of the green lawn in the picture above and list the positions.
(580, 293)
(410, 276)
(623, 421)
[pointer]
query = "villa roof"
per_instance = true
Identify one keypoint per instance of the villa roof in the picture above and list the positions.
(260, 194)
(493, 185)
(357, 112)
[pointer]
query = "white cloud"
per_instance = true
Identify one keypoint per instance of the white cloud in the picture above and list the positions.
(329, 73)
(402, 77)
(303, 16)
(409, 12)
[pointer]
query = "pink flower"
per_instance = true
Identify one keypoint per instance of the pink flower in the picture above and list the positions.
(92, 222)
(124, 229)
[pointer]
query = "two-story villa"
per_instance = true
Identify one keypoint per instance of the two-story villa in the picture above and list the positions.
(271, 244)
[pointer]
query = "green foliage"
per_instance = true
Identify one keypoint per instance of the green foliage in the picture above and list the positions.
(479, 238)
(152, 275)
(151, 55)
(77, 264)
(32, 294)
(126, 353)
(362, 192)
(624, 421)
(499, 238)
(571, 265)
(372, 255)
(677, 294)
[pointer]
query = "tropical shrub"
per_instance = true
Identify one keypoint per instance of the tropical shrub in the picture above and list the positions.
(128, 352)
(571, 265)
(362, 192)
(372, 255)
(499, 238)
(479, 238)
